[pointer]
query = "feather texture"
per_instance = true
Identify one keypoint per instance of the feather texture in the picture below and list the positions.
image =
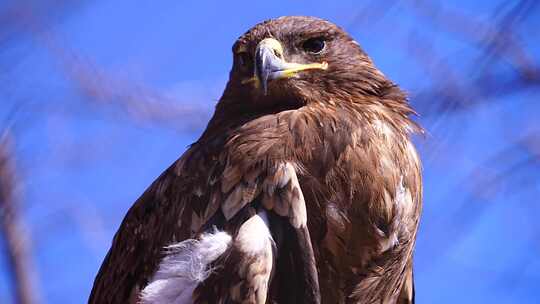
(185, 265)
(314, 186)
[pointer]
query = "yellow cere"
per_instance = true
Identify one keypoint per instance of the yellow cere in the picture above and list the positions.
(272, 44)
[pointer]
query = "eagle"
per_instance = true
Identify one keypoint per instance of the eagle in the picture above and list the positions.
(305, 186)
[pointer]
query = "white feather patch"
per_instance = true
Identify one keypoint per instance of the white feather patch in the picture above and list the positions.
(183, 268)
(254, 235)
(255, 241)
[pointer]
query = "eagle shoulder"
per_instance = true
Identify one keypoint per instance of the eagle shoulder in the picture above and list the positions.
(173, 208)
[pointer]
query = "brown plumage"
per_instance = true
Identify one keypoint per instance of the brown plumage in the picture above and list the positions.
(306, 174)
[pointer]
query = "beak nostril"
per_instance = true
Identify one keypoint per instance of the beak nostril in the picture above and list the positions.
(269, 64)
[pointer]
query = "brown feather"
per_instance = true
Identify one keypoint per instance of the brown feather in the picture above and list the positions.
(326, 154)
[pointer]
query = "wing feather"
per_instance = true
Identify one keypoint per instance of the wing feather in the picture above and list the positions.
(173, 208)
(209, 185)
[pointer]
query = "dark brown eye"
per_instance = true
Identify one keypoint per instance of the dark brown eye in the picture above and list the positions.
(244, 59)
(314, 45)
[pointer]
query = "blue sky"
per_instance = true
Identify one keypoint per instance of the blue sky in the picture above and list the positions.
(83, 160)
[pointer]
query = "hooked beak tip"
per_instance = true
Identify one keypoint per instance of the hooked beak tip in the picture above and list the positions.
(269, 63)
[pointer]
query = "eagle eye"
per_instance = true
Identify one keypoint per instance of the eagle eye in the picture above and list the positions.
(244, 59)
(314, 45)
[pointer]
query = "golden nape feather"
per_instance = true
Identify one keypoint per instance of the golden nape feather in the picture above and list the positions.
(304, 187)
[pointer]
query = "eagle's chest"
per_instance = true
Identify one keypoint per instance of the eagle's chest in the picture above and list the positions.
(359, 188)
(350, 171)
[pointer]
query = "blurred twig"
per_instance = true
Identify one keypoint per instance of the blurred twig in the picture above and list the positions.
(16, 240)
(100, 89)
(497, 42)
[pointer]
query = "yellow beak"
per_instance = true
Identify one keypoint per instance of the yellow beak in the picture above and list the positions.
(270, 64)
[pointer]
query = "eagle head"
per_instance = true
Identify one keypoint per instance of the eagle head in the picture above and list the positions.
(289, 62)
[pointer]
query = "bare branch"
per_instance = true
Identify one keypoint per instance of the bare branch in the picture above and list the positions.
(17, 244)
